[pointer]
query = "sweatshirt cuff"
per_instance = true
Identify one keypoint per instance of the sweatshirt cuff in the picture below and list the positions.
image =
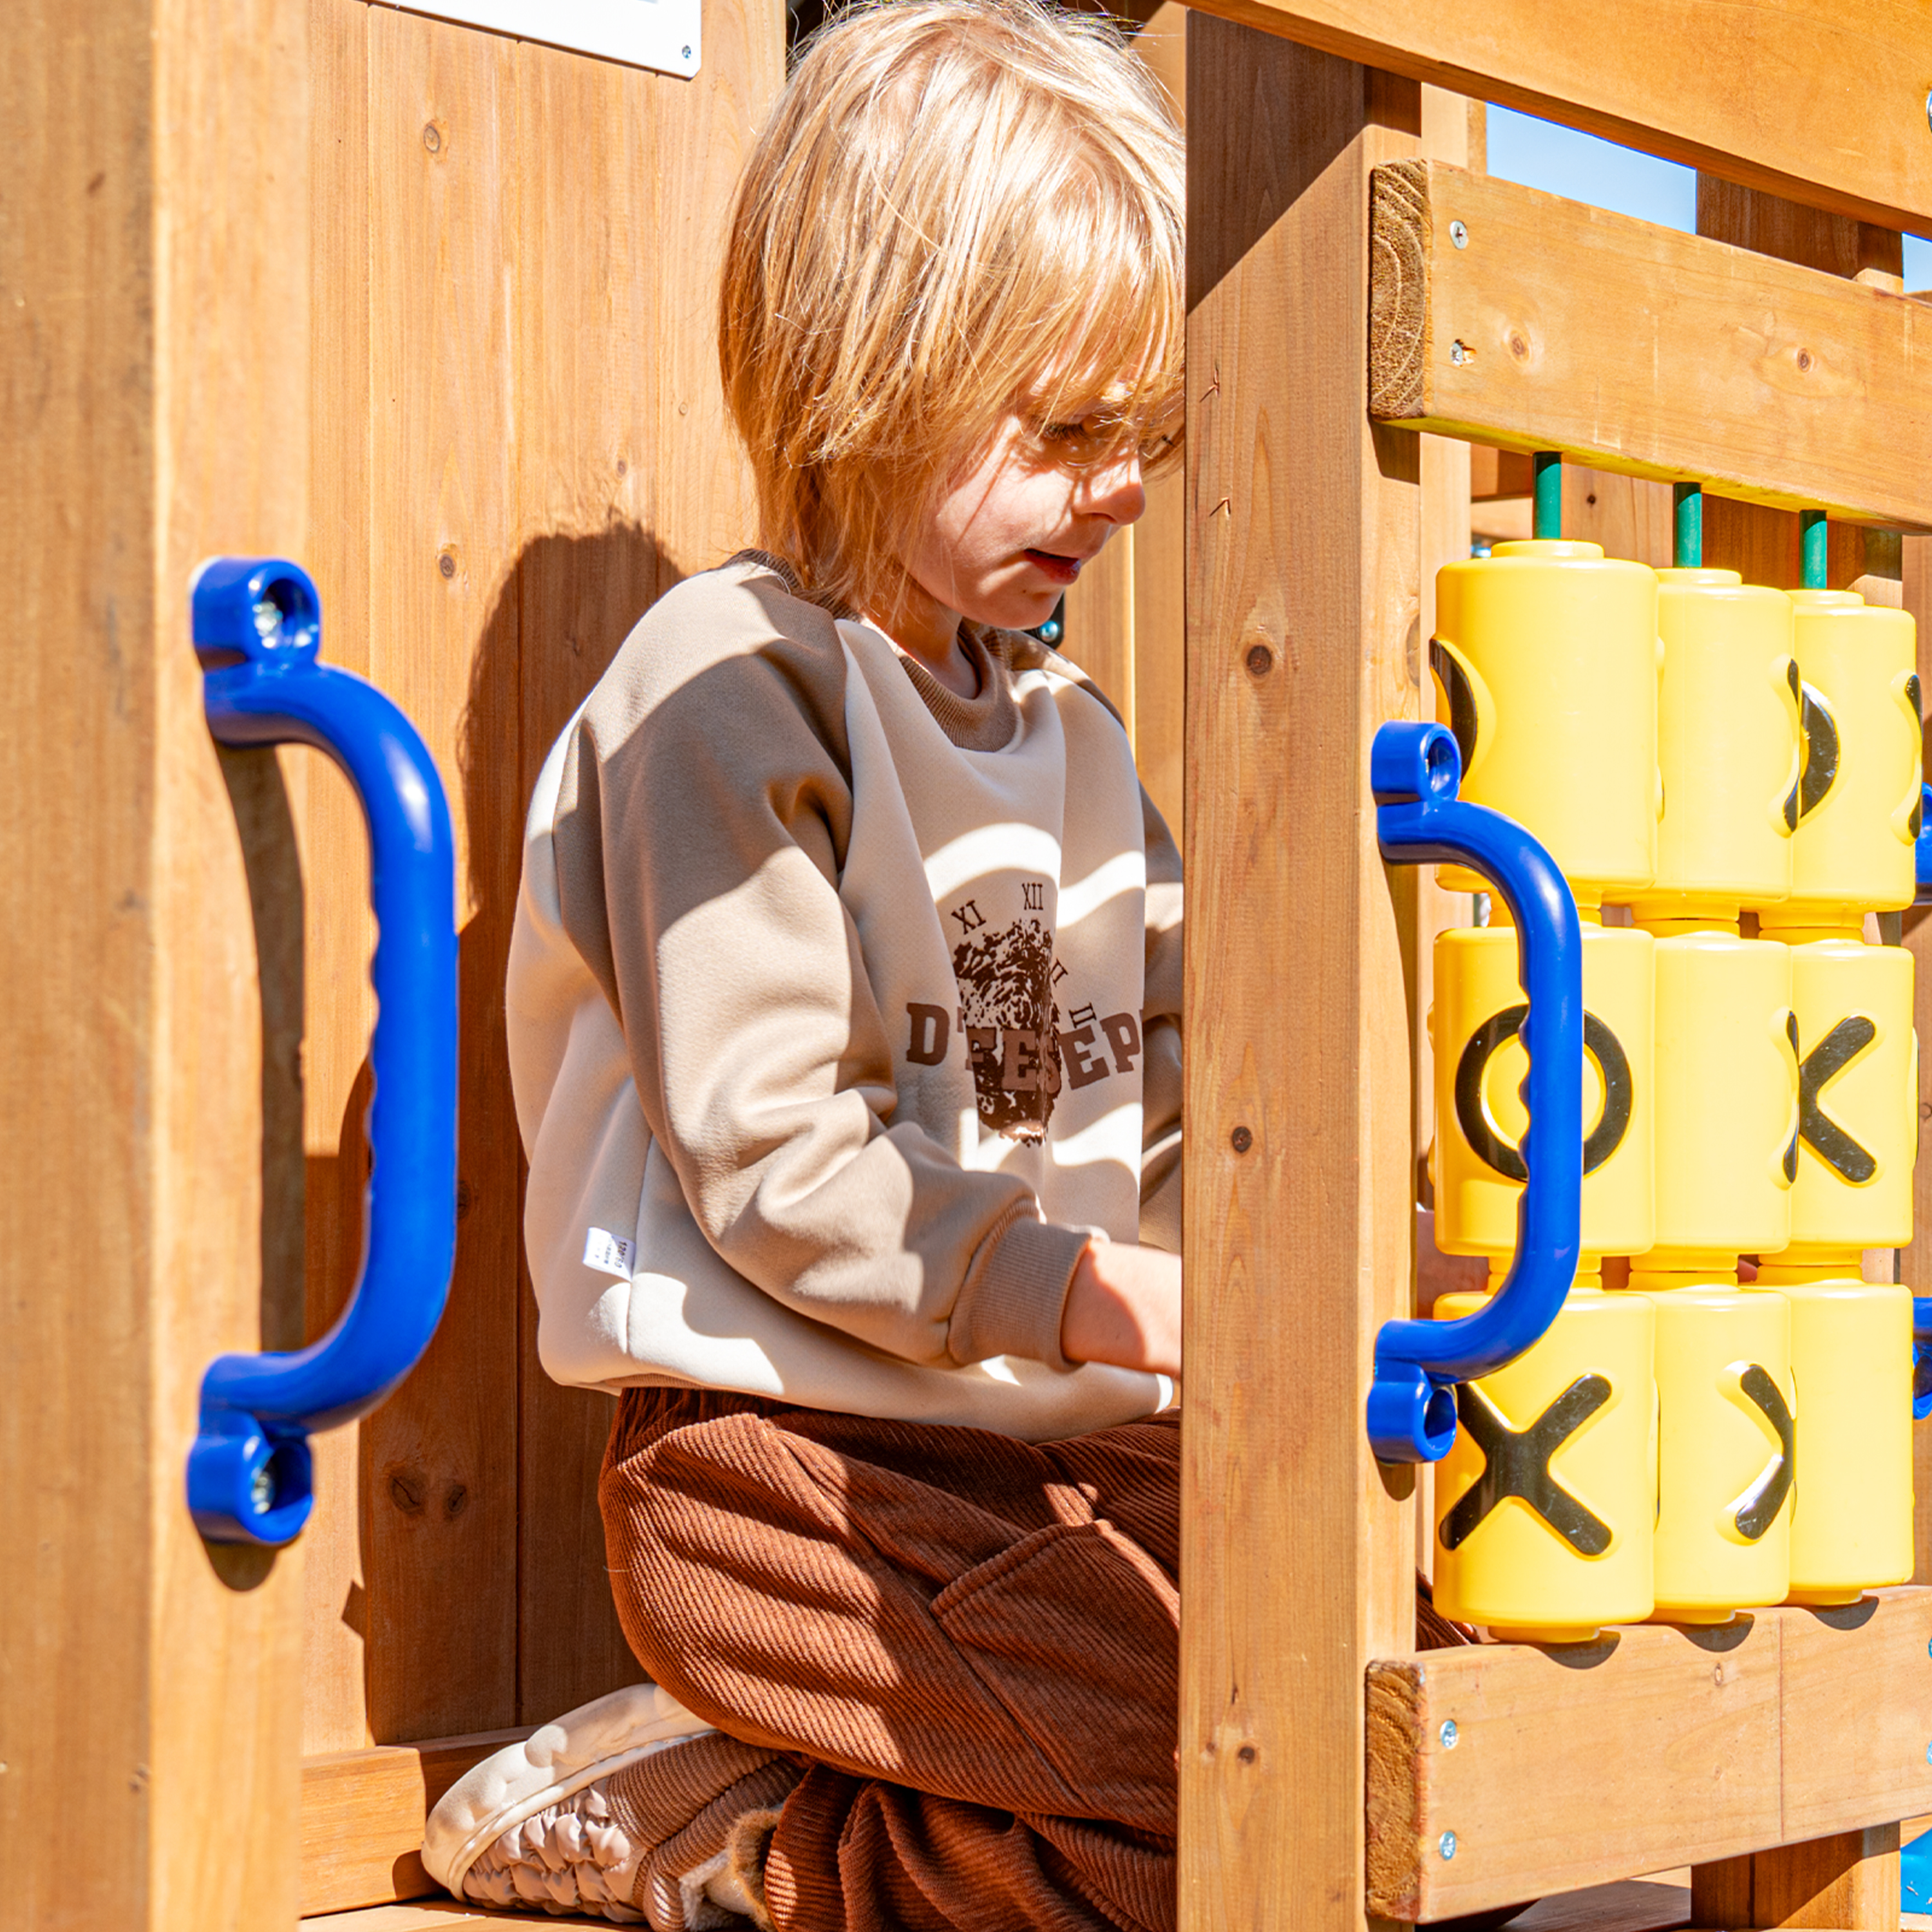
(1016, 1293)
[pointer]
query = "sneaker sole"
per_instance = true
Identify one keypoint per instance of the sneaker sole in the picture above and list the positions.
(549, 1765)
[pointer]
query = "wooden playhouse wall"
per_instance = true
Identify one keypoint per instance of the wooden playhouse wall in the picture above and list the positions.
(517, 443)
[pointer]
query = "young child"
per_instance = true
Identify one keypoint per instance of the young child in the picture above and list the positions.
(844, 1011)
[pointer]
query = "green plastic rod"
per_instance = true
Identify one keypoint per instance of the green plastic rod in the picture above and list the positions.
(1817, 549)
(1687, 545)
(1548, 518)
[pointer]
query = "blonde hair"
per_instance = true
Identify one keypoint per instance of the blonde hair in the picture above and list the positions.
(956, 208)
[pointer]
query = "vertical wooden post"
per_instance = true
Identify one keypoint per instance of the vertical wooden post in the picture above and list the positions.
(154, 355)
(1298, 1549)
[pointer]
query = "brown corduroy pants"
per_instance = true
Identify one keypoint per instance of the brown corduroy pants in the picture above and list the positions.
(972, 1641)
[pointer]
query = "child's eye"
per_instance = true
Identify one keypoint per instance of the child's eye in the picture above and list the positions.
(1062, 432)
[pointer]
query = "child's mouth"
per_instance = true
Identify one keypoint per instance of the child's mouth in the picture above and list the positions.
(1050, 563)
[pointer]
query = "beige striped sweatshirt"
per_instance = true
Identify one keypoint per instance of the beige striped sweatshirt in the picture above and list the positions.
(840, 1010)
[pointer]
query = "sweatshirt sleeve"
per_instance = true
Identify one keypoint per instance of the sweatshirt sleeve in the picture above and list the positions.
(1161, 1028)
(705, 816)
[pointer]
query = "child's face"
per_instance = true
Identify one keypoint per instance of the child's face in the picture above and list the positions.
(1015, 525)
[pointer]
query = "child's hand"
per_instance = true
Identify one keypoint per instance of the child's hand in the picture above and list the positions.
(1124, 1307)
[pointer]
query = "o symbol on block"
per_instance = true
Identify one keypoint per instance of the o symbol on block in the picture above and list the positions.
(1599, 1043)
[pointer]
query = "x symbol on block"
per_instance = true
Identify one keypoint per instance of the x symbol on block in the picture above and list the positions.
(1518, 1465)
(1822, 1064)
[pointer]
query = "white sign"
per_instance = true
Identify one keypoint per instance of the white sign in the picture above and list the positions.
(660, 35)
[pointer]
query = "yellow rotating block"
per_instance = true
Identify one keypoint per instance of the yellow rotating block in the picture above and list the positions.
(1545, 660)
(1726, 1444)
(1726, 1086)
(1544, 1505)
(1858, 1125)
(1480, 1065)
(1851, 1360)
(1727, 747)
(1859, 796)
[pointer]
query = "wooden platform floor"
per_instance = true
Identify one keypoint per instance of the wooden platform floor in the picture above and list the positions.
(1661, 1904)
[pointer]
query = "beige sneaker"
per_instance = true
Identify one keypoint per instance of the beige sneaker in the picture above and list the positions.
(629, 1807)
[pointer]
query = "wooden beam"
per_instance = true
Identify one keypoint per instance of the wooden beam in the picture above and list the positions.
(1821, 101)
(1555, 325)
(362, 1814)
(1303, 535)
(1848, 1883)
(1582, 1764)
(155, 358)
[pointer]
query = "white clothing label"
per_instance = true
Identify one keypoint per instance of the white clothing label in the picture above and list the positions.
(607, 1254)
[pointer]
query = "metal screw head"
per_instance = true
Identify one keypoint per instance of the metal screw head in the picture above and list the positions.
(1448, 1734)
(1457, 353)
(1928, 1754)
(684, 53)
(1446, 1844)
(1928, 110)
(262, 1494)
(1458, 234)
(1241, 1139)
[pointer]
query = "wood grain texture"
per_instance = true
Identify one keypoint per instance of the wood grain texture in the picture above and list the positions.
(1628, 515)
(615, 339)
(1762, 544)
(230, 377)
(151, 391)
(439, 1457)
(1643, 351)
(1302, 537)
(1778, 122)
(517, 445)
(1660, 1745)
(1848, 1883)
(1160, 537)
(339, 931)
(362, 1816)
(1126, 616)
(1633, 1905)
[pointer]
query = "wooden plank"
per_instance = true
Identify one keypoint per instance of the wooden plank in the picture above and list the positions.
(1760, 543)
(1788, 1728)
(1633, 1905)
(362, 1814)
(1627, 515)
(590, 559)
(1126, 615)
(434, 1918)
(1160, 537)
(621, 487)
(339, 931)
(440, 1460)
(1871, 1658)
(153, 366)
(1645, 352)
(1297, 1553)
(1496, 473)
(1780, 122)
(1849, 1882)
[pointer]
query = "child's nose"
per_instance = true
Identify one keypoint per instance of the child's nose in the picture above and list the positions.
(1114, 490)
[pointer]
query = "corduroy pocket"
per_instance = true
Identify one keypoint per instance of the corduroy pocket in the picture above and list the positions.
(1076, 1631)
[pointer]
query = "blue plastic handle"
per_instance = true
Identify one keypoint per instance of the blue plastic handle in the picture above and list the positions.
(257, 631)
(1414, 771)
